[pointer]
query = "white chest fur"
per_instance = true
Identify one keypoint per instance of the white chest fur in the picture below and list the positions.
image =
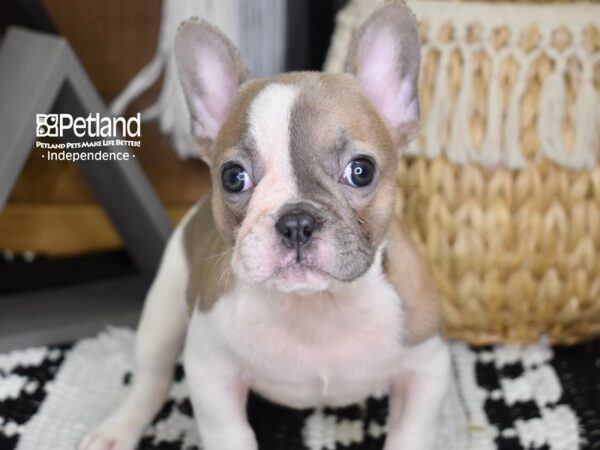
(308, 350)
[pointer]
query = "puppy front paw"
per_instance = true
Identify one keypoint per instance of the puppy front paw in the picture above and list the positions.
(109, 439)
(231, 439)
(397, 441)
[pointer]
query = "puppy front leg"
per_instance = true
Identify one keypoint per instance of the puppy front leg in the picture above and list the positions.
(159, 340)
(417, 396)
(217, 392)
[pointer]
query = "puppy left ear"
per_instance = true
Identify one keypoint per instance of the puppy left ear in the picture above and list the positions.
(211, 71)
(385, 57)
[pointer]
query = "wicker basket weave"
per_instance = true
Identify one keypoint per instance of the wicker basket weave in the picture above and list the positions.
(501, 191)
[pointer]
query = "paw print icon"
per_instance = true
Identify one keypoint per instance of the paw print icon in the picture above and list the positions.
(46, 125)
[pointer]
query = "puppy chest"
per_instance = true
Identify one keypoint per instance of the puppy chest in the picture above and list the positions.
(326, 352)
(306, 379)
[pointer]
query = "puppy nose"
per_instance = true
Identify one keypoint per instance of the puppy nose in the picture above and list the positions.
(296, 228)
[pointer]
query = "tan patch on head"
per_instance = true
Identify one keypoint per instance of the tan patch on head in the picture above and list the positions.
(232, 134)
(340, 102)
(366, 126)
(236, 123)
(208, 259)
(409, 275)
(333, 104)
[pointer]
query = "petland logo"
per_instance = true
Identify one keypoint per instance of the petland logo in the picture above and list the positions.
(93, 126)
(91, 138)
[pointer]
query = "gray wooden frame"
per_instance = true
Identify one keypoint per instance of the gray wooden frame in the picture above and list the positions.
(40, 73)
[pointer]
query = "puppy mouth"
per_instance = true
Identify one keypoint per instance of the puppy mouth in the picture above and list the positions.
(301, 276)
(298, 267)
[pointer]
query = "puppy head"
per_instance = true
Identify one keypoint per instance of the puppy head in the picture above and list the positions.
(303, 164)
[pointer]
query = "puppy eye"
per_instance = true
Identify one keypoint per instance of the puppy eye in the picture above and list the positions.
(359, 173)
(236, 179)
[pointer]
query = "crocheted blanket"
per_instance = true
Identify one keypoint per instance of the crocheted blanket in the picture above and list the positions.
(503, 397)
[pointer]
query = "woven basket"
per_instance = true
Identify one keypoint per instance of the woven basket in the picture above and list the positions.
(501, 191)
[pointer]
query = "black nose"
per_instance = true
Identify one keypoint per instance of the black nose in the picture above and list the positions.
(296, 228)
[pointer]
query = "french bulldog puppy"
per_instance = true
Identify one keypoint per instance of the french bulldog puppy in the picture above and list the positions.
(292, 277)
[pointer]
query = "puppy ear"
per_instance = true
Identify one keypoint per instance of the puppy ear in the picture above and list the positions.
(385, 58)
(211, 71)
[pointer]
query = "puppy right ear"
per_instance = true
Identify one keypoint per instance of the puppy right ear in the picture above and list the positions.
(385, 58)
(211, 71)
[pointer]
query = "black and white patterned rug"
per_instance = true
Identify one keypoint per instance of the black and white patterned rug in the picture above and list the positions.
(504, 397)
